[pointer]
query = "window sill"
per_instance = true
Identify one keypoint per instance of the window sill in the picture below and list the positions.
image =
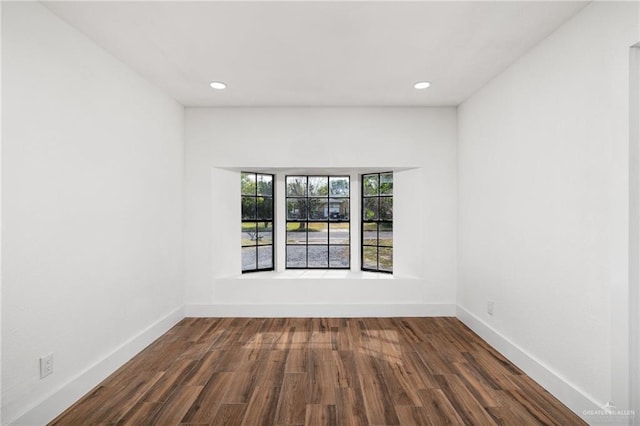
(319, 274)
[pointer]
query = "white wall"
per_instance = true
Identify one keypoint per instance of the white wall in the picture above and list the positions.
(543, 202)
(634, 225)
(220, 142)
(0, 217)
(92, 167)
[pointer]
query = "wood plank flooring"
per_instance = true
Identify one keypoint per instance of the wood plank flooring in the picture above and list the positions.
(319, 371)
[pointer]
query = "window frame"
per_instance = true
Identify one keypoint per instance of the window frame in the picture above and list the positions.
(328, 221)
(257, 221)
(377, 221)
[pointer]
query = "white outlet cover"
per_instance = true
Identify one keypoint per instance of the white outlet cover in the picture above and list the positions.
(46, 365)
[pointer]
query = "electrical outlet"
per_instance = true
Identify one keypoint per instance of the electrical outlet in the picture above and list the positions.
(46, 365)
(490, 307)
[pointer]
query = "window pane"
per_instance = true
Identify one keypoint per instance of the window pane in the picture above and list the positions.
(370, 234)
(296, 256)
(339, 256)
(265, 233)
(248, 208)
(318, 208)
(265, 185)
(339, 233)
(370, 257)
(386, 258)
(339, 186)
(314, 204)
(370, 185)
(386, 208)
(297, 209)
(318, 256)
(377, 222)
(339, 209)
(264, 208)
(296, 233)
(386, 234)
(318, 233)
(296, 186)
(248, 258)
(265, 257)
(318, 186)
(386, 184)
(370, 209)
(248, 233)
(248, 183)
(256, 234)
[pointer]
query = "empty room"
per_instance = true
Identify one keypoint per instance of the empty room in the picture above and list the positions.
(320, 212)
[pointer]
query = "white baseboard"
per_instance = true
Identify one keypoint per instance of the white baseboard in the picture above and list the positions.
(567, 393)
(321, 310)
(50, 407)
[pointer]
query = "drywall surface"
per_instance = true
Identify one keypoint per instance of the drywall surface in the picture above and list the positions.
(419, 144)
(0, 223)
(543, 200)
(634, 224)
(92, 168)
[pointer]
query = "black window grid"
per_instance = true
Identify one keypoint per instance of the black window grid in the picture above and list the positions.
(263, 213)
(306, 221)
(380, 223)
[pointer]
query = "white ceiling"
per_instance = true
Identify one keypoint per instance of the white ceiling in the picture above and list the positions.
(331, 53)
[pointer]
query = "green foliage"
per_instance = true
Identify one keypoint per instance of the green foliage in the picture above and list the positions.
(257, 208)
(386, 208)
(248, 183)
(297, 208)
(265, 185)
(259, 226)
(248, 208)
(256, 184)
(264, 207)
(386, 226)
(375, 184)
(318, 186)
(386, 184)
(370, 184)
(339, 187)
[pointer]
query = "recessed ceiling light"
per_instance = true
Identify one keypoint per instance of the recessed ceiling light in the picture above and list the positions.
(422, 85)
(218, 85)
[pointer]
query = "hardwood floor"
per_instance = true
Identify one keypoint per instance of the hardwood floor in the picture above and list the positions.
(355, 371)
